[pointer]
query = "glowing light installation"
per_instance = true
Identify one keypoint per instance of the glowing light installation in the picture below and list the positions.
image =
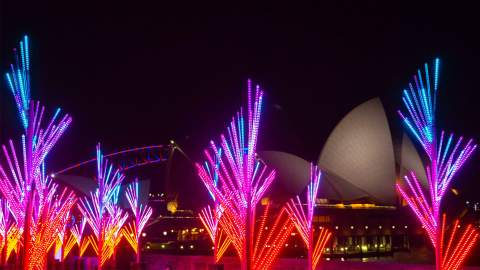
(9, 233)
(210, 218)
(303, 221)
(102, 212)
(458, 246)
(77, 233)
(141, 214)
(62, 241)
(267, 246)
(37, 207)
(446, 157)
(75, 238)
(242, 178)
(14, 236)
(6, 224)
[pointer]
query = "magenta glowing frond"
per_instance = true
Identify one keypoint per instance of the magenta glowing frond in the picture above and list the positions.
(110, 234)
(446, 156)
(23, 173)
(101, 210)
(37, 206)
(94, 208)
(210, 218)
(29, 194)
(450, 158)
(238, 180)
(420, 205)
(302, 217)
(141, 214)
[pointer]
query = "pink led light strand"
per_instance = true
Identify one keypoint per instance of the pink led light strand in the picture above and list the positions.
(241, 180)
(303, 219)
(446, 156)
(210, 219)
(141, 214)
(101, 211)
(32, 198)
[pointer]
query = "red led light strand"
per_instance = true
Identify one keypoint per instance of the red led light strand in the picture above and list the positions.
(270, 244)
(457, 248)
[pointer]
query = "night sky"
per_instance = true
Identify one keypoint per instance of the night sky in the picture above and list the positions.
(137, 74)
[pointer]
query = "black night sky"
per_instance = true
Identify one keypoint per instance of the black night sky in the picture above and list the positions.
(138, 73)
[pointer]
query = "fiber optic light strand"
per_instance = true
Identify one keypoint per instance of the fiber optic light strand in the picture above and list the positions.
(210, 219)
(102, 212)
(237, 180)
(302, 217)
(37, 206)
(446, 156)
(141, 214)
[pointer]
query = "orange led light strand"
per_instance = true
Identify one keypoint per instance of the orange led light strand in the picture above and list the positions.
(302, 217)
(268, 246)
(457, 248)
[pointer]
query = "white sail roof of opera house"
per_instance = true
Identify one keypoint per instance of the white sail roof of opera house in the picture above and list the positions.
(357, 161)
(293, 173)
(360, 151)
